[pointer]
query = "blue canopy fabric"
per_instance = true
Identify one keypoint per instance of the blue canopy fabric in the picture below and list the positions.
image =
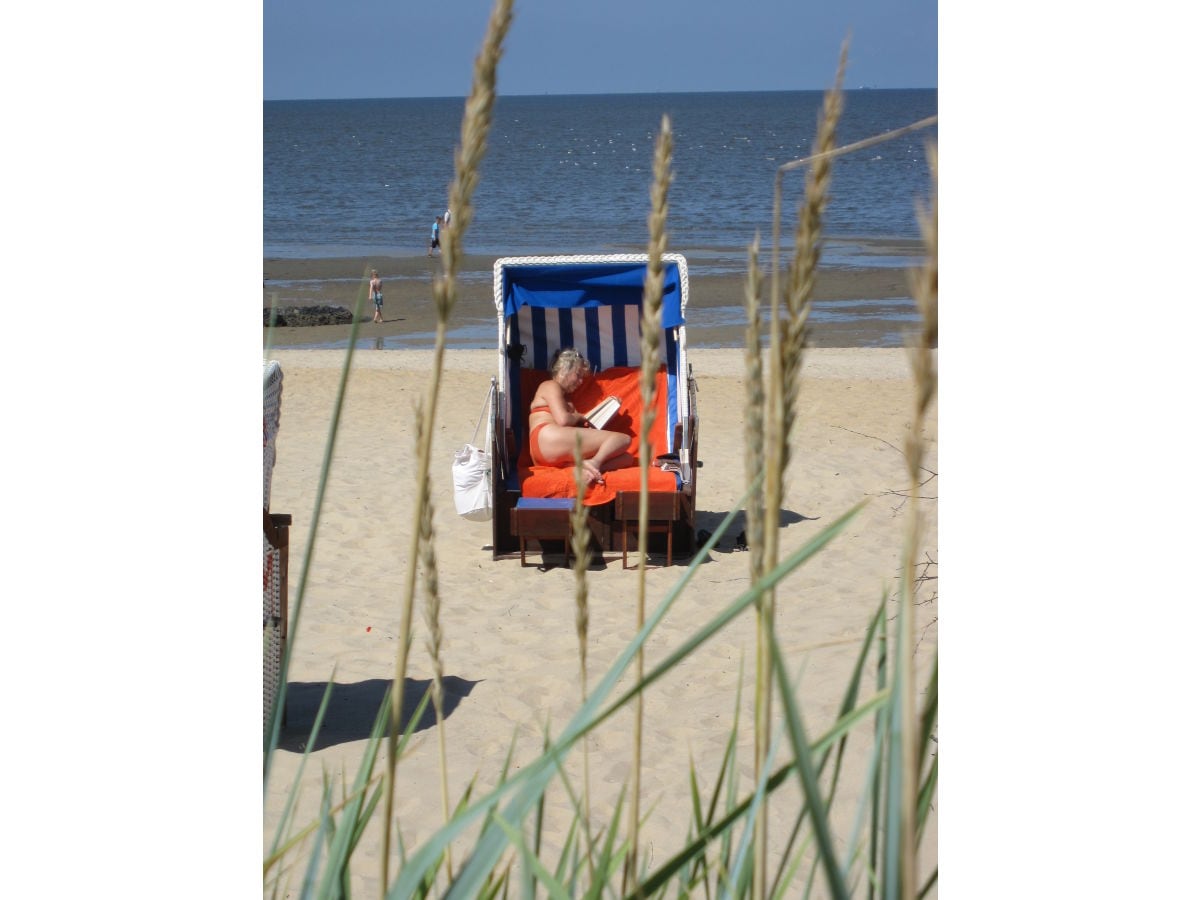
(584, 286)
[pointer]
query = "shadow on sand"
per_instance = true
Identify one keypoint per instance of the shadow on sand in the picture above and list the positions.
(707, 522)
(353, 708)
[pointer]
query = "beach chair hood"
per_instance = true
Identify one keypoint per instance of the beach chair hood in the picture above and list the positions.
(593, 303)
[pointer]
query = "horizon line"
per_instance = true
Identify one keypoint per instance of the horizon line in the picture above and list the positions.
(865, 87)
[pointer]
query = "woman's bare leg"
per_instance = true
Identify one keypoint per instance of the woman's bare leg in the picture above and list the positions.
(612, 447)
(602, 450)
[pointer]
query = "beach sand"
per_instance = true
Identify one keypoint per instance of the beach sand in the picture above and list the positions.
(510, 651)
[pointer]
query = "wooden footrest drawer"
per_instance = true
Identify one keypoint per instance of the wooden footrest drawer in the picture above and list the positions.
(542, 518)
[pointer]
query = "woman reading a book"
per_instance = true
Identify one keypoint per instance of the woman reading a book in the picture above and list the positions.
(554, 423)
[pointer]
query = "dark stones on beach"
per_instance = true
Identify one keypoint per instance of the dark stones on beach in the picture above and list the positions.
(299, 316)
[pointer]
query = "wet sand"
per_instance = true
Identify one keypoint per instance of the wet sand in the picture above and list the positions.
(870, 306)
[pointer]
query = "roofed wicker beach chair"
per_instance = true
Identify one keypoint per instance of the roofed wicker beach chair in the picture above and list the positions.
(593, 303)
(275, 549)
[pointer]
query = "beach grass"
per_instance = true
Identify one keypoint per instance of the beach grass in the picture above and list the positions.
(727, 850)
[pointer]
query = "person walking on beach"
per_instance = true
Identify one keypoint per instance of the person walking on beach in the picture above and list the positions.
(377, 296)
(435, 237)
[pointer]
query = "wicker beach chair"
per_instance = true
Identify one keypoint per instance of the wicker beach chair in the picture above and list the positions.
(593, 303)
(275, 549)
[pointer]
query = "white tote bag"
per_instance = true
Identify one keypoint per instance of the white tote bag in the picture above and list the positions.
(472, 471)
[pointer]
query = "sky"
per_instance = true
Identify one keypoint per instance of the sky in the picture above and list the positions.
(316, 49)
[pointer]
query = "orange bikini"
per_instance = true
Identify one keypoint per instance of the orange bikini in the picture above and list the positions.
(535, 452)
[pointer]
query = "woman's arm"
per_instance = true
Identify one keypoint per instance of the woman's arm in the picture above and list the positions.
(562, 409)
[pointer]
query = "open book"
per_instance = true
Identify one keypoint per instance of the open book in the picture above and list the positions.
(599, 415)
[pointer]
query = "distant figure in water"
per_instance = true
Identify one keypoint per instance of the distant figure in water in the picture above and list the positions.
(554, 423)
(377, 296)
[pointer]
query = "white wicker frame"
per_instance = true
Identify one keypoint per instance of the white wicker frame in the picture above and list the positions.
(274, 556)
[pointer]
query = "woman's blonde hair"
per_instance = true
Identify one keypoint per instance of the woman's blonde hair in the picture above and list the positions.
(567, 360)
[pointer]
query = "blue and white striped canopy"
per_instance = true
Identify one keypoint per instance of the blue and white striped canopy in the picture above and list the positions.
(592, 303)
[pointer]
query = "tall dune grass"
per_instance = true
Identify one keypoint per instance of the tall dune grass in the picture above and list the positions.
(725, 852)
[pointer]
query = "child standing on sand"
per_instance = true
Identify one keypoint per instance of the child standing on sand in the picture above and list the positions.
(377, 296)
(434, 242)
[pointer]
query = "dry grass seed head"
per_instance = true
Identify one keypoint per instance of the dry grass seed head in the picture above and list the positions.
(755, 405)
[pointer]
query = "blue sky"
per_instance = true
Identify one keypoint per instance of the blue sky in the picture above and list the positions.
(318, 49)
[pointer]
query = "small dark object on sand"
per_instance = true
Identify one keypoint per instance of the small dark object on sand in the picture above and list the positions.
(292, 316)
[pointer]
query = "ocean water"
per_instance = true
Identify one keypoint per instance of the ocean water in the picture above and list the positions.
(572, 174)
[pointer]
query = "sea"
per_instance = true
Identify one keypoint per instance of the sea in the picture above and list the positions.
(566, 174)
(572, 174)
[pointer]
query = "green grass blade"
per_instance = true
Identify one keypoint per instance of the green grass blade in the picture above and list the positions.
(294, 791)
(531, 782)
(877, 849)
(583, 721)
(568, 860)
(699, 869)
(612, 857)
(925, 742)
(928, 885)
(314, 858)
(925, 798)
(729, 757)
(553, 887)
(865, 804)
(849, 699)
(788, 872)
(737, 810)
(739, 870)
(929, 713)
(808, 776)
(768, 582)
(353, 819)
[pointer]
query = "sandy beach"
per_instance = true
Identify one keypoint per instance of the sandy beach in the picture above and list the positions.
(510, 649)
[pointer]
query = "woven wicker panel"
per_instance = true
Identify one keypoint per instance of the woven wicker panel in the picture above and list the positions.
(272, 629)
(272, 557)
(272, 398)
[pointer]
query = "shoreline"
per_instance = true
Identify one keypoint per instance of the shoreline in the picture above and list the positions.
(855, 305)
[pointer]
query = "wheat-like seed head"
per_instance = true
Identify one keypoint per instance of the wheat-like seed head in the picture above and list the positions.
(923, 283)
(802, 277)
(468, 157)
(476, 121)
(433, 604)
(652, 305)
(755, 407)
(581, 546)
(429, 581)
